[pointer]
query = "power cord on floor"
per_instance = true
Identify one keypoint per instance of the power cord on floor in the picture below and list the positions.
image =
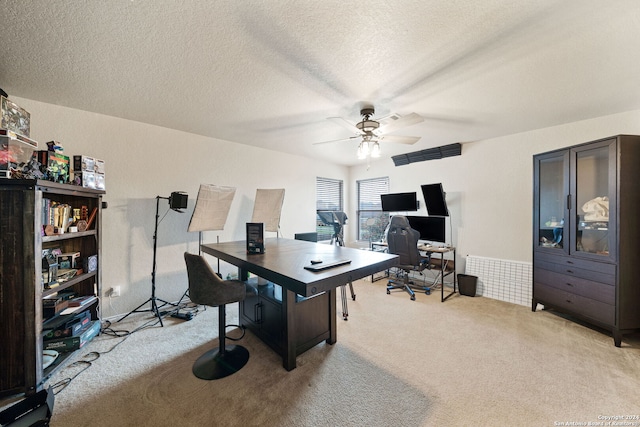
(92, 356)
(106, 329)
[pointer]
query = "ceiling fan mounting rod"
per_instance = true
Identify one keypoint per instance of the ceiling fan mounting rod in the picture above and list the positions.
(367, 112)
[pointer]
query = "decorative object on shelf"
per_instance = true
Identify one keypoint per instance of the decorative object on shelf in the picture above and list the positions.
(596, 209)
(90, 264)
(16, 151)
(58, 167)
(89, 172)
(49, 268)
(14, 117)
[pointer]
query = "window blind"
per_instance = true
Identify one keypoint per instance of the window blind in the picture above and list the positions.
(329, 194)
(369, 191)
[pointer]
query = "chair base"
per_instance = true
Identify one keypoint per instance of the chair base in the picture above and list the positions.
(212, 365)
(407, 286)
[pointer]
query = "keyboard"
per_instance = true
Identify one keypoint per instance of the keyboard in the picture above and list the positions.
(324, 265)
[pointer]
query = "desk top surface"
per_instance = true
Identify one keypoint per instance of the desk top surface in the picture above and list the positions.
(284, 260)
(424, 248)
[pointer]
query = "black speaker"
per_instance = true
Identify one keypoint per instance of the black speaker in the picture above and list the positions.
(178, 200)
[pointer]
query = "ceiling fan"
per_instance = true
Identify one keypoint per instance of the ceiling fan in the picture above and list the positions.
(371, 132)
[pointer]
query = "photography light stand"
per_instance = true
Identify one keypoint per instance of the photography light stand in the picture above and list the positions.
(176, 202)
(210, 214)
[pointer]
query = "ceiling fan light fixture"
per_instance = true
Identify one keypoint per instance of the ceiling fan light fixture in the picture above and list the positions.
(375, 149)
(361, 154)
(368, 125)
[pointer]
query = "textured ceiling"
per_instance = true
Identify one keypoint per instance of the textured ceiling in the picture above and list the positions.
(270, 73)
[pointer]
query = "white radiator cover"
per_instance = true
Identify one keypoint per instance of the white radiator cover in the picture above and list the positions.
(505, 280)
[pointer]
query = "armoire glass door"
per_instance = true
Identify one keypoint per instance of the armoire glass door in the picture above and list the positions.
(553, 187)
(594, 192)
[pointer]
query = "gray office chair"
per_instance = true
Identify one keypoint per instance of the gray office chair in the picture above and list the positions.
(313, 237)
(403, 241)
(206, 288)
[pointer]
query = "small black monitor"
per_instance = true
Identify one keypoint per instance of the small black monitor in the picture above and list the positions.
(434, 199)
(431, 228)
(399, 202)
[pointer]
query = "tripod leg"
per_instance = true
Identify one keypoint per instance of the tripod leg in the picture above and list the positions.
(345, 309)
(135, 310)
(154, 308)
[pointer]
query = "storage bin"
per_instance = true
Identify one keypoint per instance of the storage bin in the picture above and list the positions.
(467, 284)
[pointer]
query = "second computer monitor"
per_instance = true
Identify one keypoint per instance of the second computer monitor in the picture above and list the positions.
(431, 228)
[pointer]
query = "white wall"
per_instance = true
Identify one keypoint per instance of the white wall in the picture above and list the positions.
(489, 189)
(143, 161)
(490, 186)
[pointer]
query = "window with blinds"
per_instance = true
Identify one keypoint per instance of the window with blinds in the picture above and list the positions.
(372, 221)
(329, 197)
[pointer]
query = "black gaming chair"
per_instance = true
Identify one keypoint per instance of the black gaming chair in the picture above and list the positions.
(403, 241)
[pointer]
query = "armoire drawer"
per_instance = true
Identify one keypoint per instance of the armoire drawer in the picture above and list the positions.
(591, 270)
(575, 304)
(603, 292)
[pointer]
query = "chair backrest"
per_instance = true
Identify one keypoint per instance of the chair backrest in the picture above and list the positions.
(403, 241)
(206, 288)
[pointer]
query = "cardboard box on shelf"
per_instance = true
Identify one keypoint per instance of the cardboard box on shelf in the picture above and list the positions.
(15, 150)
(14, 117)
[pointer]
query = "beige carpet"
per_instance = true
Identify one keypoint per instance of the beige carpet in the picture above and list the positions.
(397, 362)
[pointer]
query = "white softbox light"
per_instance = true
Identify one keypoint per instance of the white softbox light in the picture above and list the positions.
(212, 207)
(267, 208)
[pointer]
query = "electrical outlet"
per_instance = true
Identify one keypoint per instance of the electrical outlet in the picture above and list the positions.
(115, 292)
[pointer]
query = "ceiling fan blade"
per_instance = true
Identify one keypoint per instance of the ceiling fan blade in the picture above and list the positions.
(337, 140)
(404, 121)
(399, 139)
(346, 124)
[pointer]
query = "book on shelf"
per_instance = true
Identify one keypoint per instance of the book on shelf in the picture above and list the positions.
(79, 303)
(82, 301)
(71, 326)
(76, 342)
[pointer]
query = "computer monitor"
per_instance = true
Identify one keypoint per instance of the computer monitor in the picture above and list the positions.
(431, 228)
(434, 199)
(399, 202)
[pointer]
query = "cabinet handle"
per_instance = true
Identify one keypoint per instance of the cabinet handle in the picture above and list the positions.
(257, 312)
(570, 271)
(569, 301)
(568, 202)
(570, 262)
(570, 284)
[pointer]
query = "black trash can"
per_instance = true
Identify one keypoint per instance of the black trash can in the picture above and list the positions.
(467, 284)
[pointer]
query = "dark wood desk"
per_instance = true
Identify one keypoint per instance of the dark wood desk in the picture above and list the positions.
(305, 315)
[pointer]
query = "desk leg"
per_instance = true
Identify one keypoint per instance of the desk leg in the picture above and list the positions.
(442, 270)
(289, 306)
(333, 317)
